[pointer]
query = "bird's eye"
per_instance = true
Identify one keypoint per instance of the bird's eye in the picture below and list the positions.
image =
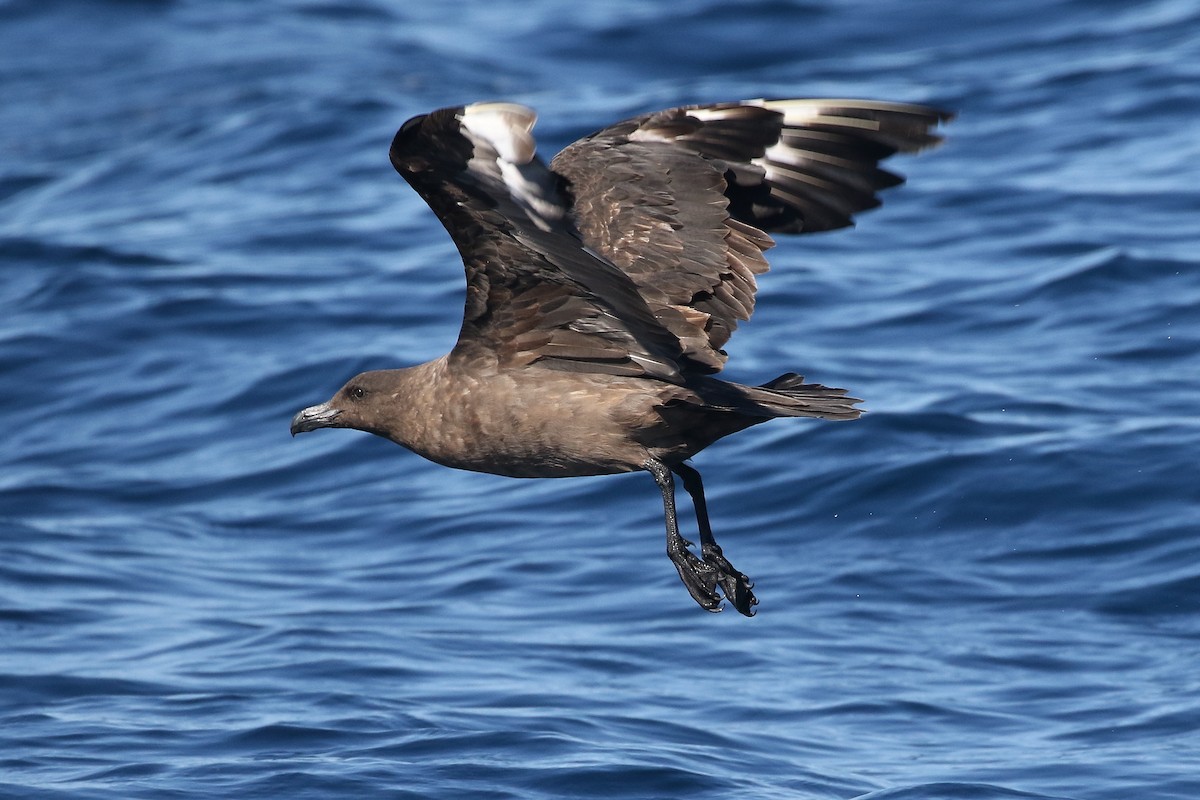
(358, 393)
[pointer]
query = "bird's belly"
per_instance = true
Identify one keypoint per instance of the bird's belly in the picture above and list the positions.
(563, 429)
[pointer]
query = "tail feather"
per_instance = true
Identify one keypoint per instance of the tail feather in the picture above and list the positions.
(789, 396)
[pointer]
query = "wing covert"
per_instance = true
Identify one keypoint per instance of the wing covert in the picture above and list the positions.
(534, 292)
(683, 200)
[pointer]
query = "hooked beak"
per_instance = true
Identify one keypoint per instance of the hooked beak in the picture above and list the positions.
(313, 417)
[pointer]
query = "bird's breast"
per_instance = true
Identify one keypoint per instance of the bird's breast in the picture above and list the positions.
(532, 423)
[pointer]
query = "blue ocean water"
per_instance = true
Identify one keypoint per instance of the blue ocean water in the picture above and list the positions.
(986, 588)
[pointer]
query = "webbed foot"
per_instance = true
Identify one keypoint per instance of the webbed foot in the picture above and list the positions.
(704, 578)
(735, 585)
(699, 577)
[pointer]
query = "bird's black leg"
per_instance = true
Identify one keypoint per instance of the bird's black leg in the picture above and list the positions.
(736, 586)
(699, 577)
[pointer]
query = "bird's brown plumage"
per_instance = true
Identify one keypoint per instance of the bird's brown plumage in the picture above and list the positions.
(602, 289)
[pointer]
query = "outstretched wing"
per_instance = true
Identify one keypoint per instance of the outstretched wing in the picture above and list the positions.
(534, 292)
(683, 200)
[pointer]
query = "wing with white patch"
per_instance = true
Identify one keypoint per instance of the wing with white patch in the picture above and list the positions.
(682, 200)
(534, 292)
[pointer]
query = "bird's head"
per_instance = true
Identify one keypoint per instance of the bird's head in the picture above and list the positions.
(367, 402)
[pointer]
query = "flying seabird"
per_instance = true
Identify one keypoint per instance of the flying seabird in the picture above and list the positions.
(601, 289)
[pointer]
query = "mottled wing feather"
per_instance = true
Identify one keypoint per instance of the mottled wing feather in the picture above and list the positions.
(535, 294)
(683, 200)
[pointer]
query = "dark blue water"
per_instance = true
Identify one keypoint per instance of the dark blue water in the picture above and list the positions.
(987, 588)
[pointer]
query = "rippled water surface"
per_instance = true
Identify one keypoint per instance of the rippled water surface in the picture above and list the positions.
(987, 588)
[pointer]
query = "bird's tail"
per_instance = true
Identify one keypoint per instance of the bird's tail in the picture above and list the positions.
(789, 396)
